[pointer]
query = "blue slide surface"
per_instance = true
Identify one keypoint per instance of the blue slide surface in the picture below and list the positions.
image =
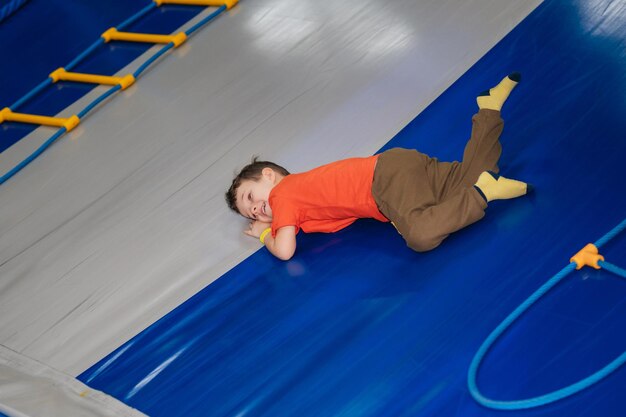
(357, 324)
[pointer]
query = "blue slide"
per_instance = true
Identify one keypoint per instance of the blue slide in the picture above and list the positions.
(357, 324)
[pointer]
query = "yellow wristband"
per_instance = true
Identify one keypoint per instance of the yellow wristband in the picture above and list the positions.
(263, 234)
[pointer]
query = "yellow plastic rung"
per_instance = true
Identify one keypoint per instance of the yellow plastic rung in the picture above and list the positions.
(587, 256)
(113, 35)
(6, 115)
(62, 75)
(214, 3)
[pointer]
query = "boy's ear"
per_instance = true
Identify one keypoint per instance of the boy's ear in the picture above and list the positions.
(269, 173)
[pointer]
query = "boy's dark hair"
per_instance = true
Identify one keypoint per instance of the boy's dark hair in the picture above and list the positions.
(252, 171)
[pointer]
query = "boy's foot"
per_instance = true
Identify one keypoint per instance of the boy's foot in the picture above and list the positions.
(494, 98)
(492, 186)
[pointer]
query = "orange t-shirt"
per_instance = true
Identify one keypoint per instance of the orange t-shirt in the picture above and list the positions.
(327, 198)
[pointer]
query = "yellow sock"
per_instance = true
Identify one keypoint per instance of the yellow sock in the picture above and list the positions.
(495, 187)
(494, 98)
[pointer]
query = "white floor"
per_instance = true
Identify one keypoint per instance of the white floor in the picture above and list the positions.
(124, 219)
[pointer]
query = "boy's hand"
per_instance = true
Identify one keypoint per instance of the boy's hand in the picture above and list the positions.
(256, 228)
(283, 246)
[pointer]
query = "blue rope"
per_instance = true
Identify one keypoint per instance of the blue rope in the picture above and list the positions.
(31, 94)
(84, 54)
(100, 40)
(32, 156)
(141, 13)
(204, 21)
(10, 8)
(170, 45)
(610, 235)
(58, 134)
(613, 268)
(153, 58)
(495, 334)
(99, 100)
(105, 95)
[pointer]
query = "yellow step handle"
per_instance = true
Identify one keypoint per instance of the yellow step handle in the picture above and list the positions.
(214, 3)
(113, 35)
(6, 115)
(62, 75)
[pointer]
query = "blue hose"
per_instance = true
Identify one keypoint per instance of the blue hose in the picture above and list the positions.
(495, 334)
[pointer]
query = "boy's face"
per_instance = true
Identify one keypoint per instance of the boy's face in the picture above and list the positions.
(253, 196)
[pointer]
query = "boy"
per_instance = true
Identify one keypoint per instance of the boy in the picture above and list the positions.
(425, 199)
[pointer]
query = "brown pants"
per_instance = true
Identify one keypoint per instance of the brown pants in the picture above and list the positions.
(426, 199)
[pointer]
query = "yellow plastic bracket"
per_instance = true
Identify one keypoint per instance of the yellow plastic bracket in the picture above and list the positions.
(6, 115)
(3, 114)
(62, 75)
(212, 3)
(587, 256)
(113, 35)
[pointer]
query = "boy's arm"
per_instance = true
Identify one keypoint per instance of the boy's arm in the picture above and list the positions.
(283, 246)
